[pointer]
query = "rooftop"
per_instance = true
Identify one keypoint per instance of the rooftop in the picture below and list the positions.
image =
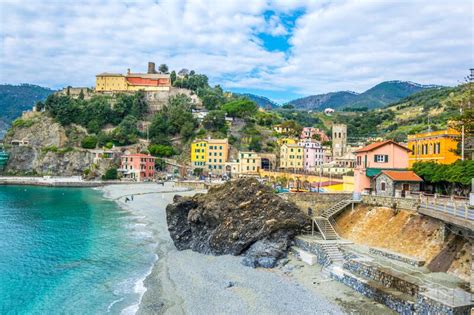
(402, 176)
(376, 145)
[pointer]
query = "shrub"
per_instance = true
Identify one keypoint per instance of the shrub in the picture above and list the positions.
(89, 142)
(110, 174)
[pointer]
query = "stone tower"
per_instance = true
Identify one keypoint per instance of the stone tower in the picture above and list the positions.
(339, 140)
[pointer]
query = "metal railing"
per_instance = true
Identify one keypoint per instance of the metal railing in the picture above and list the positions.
(453, 206)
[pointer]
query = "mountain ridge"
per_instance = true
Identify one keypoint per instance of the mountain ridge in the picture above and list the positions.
(377, 96)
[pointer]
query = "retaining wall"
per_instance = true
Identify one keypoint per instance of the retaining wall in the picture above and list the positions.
(382, 201)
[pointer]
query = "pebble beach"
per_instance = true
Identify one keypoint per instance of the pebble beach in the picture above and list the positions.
(186, 282)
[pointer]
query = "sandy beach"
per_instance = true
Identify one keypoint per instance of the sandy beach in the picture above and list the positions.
(186, 282)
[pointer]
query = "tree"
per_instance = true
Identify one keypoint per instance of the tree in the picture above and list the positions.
(139, 105)
(163, 68)
(215, 121)
(287, 106)
(81, 95)
(160, 150)
(255, 144)
(39, 106)
(242, 108)
(89, 142)
(173, 77)
(126, 132)
(110, 174)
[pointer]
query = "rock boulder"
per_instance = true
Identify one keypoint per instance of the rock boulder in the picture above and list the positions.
(241, 217)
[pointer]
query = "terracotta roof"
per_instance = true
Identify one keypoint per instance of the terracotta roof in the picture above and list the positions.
(376, 145)
(402, 176)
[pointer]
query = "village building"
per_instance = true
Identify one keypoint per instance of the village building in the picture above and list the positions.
(139, 167)
(199, 153)
(282, 129)
(313, 154)
(132, 82)
(396, 183)
(434, 146)
(374, 158)
(282, 141)
(210, 155)
(339, 140)
(311, 133)
(250, 163)
(217, 155)
(291, 157)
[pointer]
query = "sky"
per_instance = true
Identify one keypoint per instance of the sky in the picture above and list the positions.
(278, 49)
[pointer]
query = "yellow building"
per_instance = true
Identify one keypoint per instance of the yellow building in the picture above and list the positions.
(291, 156)
(435, 146)
(282, 141)
(250, 163)
(217, 155)
(151, 81)
(199, 153)
(282, 129)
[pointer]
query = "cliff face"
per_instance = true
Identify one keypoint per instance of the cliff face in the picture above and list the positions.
(242, 217)
(49, 151)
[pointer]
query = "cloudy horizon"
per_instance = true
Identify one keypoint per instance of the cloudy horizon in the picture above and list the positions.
(278, 49)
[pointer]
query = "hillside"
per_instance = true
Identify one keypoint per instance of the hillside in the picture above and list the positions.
(378, 96)
(14, 99)
(431, 108)
(261, 101)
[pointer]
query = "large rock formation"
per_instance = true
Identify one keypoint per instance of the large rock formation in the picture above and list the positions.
(239, 217)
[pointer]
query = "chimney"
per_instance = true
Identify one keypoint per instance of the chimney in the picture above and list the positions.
(151, 67)
(128, 71)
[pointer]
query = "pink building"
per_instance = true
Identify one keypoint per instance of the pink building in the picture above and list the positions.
(137, 166)
(372, 159)
(313, 154)
(309, 132)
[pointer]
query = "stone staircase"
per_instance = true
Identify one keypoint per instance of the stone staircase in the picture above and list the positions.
(333, 253)
(398, 285)
(325, 228)
(336, 208)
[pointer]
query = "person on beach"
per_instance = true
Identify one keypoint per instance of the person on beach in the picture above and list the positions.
(126, 199)
(132, 197)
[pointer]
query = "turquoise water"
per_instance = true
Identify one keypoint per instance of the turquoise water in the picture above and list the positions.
(69, 251)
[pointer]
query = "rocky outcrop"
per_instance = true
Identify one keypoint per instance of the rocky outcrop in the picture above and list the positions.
(48, 149)
(242, 217)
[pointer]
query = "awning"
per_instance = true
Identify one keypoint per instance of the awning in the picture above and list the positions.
(372, 171)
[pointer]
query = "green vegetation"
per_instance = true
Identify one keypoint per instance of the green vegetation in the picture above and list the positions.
(23, 123)
(241, 108)
(89, 142)
(14, 99)
(110, 174)
(215, 121)
(449, 178)
(160, 150)
(192, 81)
(56, 150)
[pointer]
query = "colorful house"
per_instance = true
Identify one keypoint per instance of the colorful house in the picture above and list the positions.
(199, 153)
(313, 154)
(310, 132)
(374, 158)
(291, 156)
(434, 146)
(396, 183)
(217, 155)
(138, 166)
(283, 129)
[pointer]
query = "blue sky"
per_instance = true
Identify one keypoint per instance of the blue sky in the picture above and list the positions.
(280, 49)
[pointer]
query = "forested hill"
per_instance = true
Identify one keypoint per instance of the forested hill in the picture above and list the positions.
(376, 97)
(261, 101)
(14, 99)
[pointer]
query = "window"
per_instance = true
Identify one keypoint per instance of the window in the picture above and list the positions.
(380, 158)
(382, 186)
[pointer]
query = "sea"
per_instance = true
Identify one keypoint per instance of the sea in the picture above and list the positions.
(70, 251)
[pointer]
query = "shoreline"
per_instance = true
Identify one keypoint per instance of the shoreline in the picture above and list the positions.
(182, 282)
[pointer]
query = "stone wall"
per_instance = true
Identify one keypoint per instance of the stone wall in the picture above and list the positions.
(317, 202)
(396, 256)
(382, 201)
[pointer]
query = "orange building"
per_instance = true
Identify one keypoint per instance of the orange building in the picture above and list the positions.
(434, 146)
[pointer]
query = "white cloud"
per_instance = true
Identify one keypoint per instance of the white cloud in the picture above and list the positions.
(334, 45)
